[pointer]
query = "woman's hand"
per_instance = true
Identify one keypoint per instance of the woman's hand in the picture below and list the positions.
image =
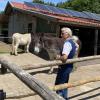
(57, 57)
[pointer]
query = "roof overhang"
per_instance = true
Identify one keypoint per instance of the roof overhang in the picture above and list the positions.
(51, 16)
(37, 14)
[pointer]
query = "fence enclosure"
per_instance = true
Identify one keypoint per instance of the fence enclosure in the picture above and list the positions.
(38, 86)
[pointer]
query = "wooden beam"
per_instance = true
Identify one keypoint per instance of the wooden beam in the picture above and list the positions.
(74, 84)
(30, 81)
(58, 62)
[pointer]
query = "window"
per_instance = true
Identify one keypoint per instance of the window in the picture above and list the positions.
(29, 27)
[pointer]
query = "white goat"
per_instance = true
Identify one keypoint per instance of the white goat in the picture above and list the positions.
(20, 39)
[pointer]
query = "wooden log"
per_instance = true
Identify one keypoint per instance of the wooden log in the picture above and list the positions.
(19, 95)
(58, 62)
(74, 84)
(30, 81)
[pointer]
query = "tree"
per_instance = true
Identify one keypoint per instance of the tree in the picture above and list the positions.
(42, 2)
(38, 1)
(81, 5)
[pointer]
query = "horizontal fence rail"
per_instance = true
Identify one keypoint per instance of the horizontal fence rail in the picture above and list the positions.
(58, 62)
(31, 82)
(74, 84)
(4, 37)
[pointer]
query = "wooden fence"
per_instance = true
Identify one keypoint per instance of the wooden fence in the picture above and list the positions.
(2, 38)
(38, 86)
(30, 81)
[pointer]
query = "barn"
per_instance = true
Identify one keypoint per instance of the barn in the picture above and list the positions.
(3, 26)
(37, 18)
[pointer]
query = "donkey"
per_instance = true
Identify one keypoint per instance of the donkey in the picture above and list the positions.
(55, 44)
(49, 43)
(20, 39)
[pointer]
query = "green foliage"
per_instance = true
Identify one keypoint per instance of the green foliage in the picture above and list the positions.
(42, 2)
(50, 3)
(1, 12)
(38, 1)
(81, 5)
(78, 5)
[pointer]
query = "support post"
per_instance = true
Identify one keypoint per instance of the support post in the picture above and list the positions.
(96, 42)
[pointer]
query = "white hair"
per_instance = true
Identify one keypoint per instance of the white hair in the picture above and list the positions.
(66, 30)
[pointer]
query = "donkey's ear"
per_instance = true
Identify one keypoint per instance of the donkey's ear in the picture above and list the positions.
(32, 33)
(42, 34)
(41, 39)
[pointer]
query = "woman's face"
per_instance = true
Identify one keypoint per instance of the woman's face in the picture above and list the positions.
(64, 35)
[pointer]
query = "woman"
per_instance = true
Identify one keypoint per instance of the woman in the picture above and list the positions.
(68, 52)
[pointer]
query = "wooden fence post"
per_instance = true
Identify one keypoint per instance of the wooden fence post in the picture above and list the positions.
(30, 81)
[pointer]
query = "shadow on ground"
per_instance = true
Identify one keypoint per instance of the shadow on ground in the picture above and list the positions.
(88, 97)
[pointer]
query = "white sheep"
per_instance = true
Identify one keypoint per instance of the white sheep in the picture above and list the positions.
(20, 39)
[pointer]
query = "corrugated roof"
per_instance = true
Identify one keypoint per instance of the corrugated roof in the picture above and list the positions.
(83, 18)
(60, 11)
(17, 5)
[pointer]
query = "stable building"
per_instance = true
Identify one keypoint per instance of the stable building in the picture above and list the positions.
(34, 17)
(3, 27)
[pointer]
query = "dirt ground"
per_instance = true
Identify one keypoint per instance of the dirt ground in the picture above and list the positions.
(4, 48)
(17, 90)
